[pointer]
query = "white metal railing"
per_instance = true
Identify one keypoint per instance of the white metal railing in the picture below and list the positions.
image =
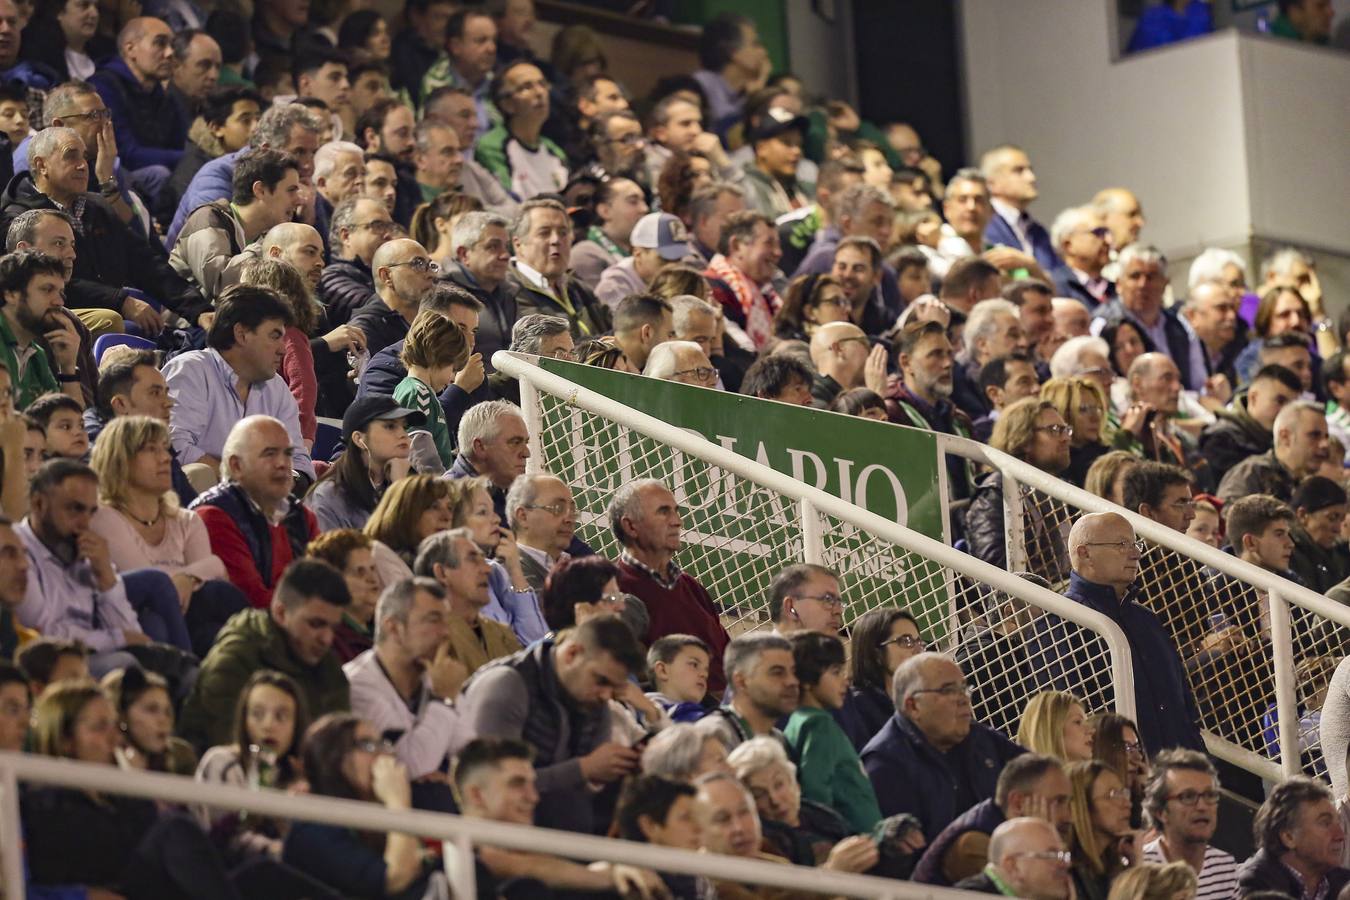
(459, 832)
(1283, 595)
(815, 526)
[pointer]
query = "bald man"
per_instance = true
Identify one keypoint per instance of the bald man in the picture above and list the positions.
(1123, 215)
(151, 128)
(300, 245)
(404, 275)
(1104, 556)
(1012, 188)
(844, 358)
(1026, 859)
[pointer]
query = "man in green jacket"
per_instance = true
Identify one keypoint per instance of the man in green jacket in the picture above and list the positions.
(294, 637)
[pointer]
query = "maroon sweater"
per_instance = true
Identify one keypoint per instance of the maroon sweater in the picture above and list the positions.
(683, 609)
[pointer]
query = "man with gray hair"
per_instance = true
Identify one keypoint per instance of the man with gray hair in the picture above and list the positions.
(1080, 235)
(993, 329)
(493, 443)
(1300, 840)
(482, 248)
(437, 158)
(682, 361)
(339, 174)
(1012, 188)
(543, 516)
(1104, 555)
(645, 518)
(932, 760)
(861, 210)
(1182, 804)
(481, 629)
(1026, 859)
(404, 685)
(360, 226)
(1140, 286)
(762, 680)
(967, 209)
(537, 334)
(541, 238)
(291, 128)
(1300, 449)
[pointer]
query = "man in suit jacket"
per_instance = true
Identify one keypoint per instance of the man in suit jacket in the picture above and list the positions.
(1012, 188)
(544, 517)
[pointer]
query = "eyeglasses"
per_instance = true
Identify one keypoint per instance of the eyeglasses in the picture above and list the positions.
(702, 373)
(840, 302)
(1056, 430)
(955, 689)
(1190, 798)
(630, 140)
(1134, 748)
(612, 600)
(1063, 857)
(834, 601)
(908, 641)
(381, 227)
(420, 264)
(374, 745)
(1119, 793)
(1122, 546)
(96, 115)
(564, 354)
(556, 509)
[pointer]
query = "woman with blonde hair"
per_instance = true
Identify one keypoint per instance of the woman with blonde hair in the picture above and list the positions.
(1150, 881)
(412, 509)
(1106, 476)
(1099, 822)
(1054, 724)
(679, 280)
(145, 528)
(1084, 406)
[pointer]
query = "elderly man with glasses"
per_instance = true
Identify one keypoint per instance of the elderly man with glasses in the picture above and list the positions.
(682, 361)
(932, 759)
(646, 518)
(404, 275)
(1026, 859)
(1104, 555)
(360, 227)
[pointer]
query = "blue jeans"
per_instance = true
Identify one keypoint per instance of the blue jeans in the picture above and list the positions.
(155, 600)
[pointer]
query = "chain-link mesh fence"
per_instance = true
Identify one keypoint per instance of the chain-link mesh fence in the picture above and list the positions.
(738, 534)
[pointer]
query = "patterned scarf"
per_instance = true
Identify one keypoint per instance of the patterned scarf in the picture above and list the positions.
(758, 303)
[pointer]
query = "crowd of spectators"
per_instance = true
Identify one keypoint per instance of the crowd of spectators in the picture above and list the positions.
(221, 230)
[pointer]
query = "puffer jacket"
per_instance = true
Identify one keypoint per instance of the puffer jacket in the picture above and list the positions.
(588, 318)
(1047, 551)
(497, 317)
(1233, 437)
(345, 286)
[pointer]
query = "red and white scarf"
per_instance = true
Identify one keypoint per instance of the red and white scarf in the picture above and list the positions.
(758, 303)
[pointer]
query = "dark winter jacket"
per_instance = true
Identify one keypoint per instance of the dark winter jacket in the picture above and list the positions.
(1234, 436)
(1263, 872)
(345, 286)
(498, 316)
(588, 318)
(150, 127)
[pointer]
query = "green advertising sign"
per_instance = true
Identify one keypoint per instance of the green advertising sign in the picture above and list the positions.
(739, 535)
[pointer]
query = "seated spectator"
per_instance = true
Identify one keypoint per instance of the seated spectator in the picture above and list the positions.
(13, 588)
(61, 418)
(16, 705)
(404, 685)
(437, 160)
(590, 664)
(1300, 448)
(375, 433)
(1031, 430)
(1141, 283)
(881, 639)
(1115, 741)
(543, 518)
(1035, 312)
(646, 522)
(1159, 492)
(1259, 527)
(933, 721)
(433, 223)
(741, 275)
(123, 845)
(492, 442)
(360, 225)
(1149, 427)
(339, 166)
(1245, 427)
(771, 178)
(227, 119)
(351, 553)
(32, 284)
(541, 238)
(810, 302)
(150, 126)
(677, 666)
(604, 353)
(1281, 310)
(525, 161)
(455, 561)
(1183, 807)
(1207, 526)
(132, 385)
(761, 686)
(196, 67)
(1055, 724)
(1099, 803)
(235, 378)
(497, 779)
(433, 351)
(404, 276)
(968, 282)
(1026, 859)
(1320, 558)
(822, 613)
(144, 526)
(683, 362)
(619, 204)
(1106, 477)
(265, 190)
(255, 527)
(145, 721)
(675, 125)
(1299, 837)
(921, 397)
(293, 637)
(660, 811)
(861, 402)
(686, 751)
(844, 359)
(346, 757)
(45, 661)
(993, 329)
(1002, 381)
(1104, 555)
(482, 248)
(1082, 239)
(455, 107)
(1029, 785)
(829, 770)
(641, 323)
(1290, 350)
(411, 510)
(1212, 312)
(1083, 405)
(782, 378)
(269, 721)
(658, 241)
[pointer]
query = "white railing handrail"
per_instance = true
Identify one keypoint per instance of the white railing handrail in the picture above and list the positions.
(358, 814)
(520, 367)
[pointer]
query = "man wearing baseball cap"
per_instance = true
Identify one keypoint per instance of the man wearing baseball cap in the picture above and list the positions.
(771, 179)
(658, 240)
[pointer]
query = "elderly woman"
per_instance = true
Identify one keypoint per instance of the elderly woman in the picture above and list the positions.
(1082, 404)
(1033, 431)
(686, 751)
(804, 832)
